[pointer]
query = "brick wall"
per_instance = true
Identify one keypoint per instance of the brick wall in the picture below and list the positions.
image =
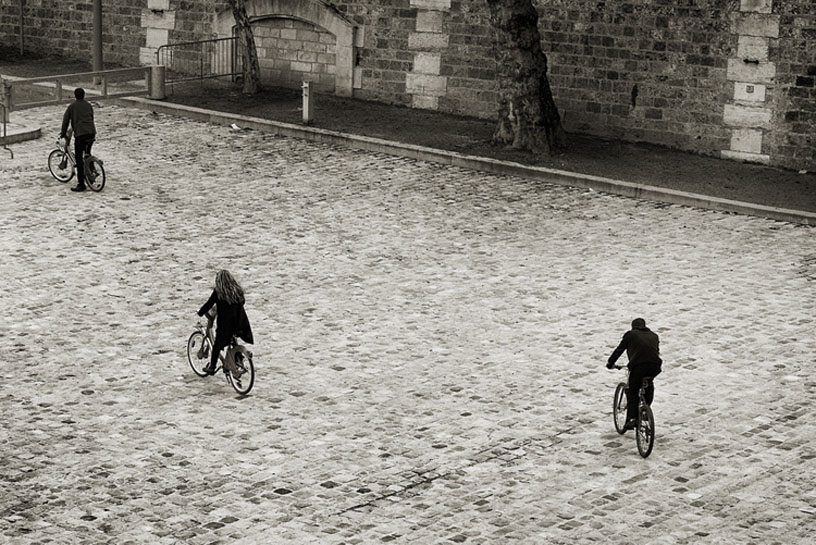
(793, 137)
(290, 52)
(651, 70)
(730, 77)
(67, 26)
(385, 58)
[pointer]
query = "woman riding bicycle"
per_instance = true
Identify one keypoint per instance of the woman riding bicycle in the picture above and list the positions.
(231, 319)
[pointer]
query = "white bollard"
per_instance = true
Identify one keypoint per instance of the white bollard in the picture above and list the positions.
(307, 102)
(157, 89)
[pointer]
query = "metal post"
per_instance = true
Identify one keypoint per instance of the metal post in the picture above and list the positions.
(22, 21)
(7, 104)
(58, 89)
(97, 38)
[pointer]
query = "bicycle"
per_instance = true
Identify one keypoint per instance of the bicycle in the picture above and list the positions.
(644, 427)
(237, 363)
(62, 165)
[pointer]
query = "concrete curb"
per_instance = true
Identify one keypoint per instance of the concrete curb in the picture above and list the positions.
(548, 175)
(18, 134)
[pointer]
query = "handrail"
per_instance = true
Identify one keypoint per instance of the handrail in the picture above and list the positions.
(114, 71)
(200, 59)
(57, 83)
(211, 40)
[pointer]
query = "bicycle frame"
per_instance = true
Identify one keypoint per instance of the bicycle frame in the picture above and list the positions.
(644, 428)
(226, 357)
(236, 361)
(66, 149)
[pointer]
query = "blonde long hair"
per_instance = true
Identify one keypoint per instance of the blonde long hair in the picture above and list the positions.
(227, 288)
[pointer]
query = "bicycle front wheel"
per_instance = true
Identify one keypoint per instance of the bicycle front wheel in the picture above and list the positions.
(645, 431)
(619, 407)
(198, 352)
(242, 376)
(60, 167)
(95, 174)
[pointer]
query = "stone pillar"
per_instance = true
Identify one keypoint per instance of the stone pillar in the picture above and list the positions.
(749, 114)
(158, 20)
(429, 40)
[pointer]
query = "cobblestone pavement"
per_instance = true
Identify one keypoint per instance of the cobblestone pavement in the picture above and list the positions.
(430, 353)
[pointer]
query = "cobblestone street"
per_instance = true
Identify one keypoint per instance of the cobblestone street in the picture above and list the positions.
(430, 350)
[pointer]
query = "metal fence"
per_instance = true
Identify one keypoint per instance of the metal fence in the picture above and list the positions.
(187, 61)
(22, 93)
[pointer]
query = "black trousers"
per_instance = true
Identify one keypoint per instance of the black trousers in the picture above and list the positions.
(636, 375)
(82, 147)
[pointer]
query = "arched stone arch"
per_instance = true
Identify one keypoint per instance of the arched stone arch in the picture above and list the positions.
(315, 12)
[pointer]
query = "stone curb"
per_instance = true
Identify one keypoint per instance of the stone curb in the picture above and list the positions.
(548, 175)
(17, 135)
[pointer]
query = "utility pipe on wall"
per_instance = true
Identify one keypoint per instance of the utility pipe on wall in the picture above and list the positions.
(22, 20)
(97, 35)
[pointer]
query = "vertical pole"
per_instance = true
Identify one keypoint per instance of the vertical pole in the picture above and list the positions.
(22, 21)
(307, 102)
(97, 38)
(6, 101)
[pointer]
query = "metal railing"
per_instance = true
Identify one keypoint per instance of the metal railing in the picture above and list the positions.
(187, 61)
(22, 93)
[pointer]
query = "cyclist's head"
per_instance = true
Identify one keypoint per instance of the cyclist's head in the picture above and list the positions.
(227, 288)
(638, 323)
(79, 93)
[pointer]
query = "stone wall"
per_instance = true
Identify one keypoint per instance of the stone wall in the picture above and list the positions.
(732, 78)
(792, 137)
(291, 52)
(67, 26)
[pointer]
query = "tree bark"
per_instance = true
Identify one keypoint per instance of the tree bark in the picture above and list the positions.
(527, 115)
(249, 54)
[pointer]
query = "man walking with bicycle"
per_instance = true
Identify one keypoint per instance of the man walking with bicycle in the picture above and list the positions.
(80, 116)
(642, 347)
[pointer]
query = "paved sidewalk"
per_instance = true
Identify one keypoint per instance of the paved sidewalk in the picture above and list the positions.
(430, 353)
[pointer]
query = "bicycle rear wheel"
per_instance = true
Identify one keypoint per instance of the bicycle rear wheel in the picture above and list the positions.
(619, 408)
(645, 431)
(242, 376)
(198, 352)
(60, 167)
(95, 174)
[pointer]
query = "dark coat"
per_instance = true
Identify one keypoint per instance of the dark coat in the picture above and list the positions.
(80, 116)
(642, 347)
(230, 320)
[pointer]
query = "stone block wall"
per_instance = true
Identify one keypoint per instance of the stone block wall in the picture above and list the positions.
(792, 138)
(291, 52)
(646, 70)
(733, 78)
(66, 26)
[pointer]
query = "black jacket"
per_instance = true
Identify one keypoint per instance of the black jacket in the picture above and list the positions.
(80, 116)
(642, 347)
(230, 320)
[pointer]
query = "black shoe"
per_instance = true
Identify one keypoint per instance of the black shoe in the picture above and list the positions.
(209, 370)
(630, 425)
(78, 188)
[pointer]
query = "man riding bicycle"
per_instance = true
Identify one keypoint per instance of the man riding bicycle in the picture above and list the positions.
(80, 116)
(642, 347)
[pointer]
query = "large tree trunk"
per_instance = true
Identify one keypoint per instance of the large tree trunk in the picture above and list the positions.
(249, 55)
(528, 118)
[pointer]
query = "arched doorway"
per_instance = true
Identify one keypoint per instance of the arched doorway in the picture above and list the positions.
(299, 40)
